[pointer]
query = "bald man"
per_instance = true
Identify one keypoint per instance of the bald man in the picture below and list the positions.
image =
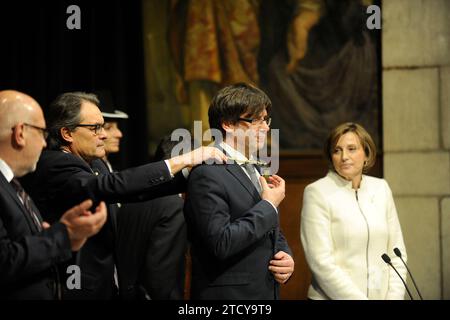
(30, 249)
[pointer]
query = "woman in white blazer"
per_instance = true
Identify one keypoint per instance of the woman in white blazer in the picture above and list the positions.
(349, 221)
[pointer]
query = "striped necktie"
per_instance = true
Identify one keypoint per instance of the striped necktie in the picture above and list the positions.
(250, 168)
(26, 200)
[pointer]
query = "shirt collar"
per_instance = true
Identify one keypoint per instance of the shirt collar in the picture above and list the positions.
(6, 170)
(233, 153)
(342, 182)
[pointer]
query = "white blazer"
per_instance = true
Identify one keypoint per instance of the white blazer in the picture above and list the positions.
(344, 232)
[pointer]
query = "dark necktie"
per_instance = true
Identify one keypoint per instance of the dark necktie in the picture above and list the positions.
(26, 200)
(250, 169)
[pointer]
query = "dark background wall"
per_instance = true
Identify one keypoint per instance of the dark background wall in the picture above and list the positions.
(40, 56)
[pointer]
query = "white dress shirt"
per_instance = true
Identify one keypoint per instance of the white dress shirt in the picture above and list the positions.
(6, 170)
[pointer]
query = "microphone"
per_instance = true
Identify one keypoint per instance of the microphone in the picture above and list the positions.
(399, 254)
(386, 259)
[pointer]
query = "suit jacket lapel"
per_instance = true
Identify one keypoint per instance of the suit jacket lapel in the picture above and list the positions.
(13, 194)
(239, 174)
(99, 167)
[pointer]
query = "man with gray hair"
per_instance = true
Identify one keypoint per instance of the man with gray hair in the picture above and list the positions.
(64, 175)
(30, 249)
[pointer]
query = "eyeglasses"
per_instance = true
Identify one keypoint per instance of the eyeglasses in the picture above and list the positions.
(44, 131)
(96, 128)
(258, 122)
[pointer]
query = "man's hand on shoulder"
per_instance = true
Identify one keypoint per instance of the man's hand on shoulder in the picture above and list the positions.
(195, 157)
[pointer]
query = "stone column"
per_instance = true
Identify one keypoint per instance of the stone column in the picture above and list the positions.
(416, 133)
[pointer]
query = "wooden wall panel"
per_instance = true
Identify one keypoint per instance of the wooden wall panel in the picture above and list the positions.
(298, 171)
(290, 209)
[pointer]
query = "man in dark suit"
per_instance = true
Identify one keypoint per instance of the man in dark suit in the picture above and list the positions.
(64, 175)
(151, 235)
(30, 249)
(152, 243)
(238, 250)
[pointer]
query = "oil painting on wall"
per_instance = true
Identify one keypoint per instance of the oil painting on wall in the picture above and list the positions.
(315, 59)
